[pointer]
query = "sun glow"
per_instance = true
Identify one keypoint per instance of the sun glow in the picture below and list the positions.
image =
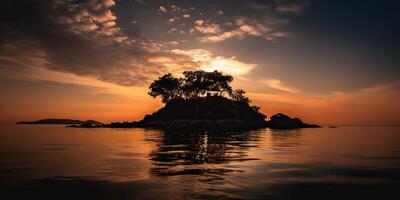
(210, 63)
(229, 66)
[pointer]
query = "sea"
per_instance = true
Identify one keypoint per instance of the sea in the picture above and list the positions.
(56, 162)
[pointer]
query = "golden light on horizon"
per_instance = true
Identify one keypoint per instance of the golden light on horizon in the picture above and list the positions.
(208, 62)
(229, 66)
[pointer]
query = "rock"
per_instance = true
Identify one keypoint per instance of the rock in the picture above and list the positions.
(53, 121)
(282, 121)
(88, 124)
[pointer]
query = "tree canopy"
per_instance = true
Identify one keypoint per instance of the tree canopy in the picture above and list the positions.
(195, 84)
(167, 86)
(238, 95)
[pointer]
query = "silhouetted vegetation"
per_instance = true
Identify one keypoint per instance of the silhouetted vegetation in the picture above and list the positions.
(194, 84)
(203, 101)
(211, 107)
(239, 96)
(168, 87)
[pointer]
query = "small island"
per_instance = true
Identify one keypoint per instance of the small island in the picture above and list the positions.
(203, 101)
(60, 121)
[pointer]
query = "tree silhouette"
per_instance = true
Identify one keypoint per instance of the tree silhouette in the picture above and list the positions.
(198, 83)
(238, 95)
(219, 83)
(167, 86)
(195, 84)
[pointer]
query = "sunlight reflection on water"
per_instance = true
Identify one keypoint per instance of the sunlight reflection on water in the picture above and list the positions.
(139, 163)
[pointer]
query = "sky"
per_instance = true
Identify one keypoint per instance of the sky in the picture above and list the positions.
(327, 62)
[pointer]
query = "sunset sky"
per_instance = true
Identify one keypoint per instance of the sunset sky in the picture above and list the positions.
(327, 62)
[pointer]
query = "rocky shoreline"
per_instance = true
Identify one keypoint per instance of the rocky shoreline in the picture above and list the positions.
(278, 121)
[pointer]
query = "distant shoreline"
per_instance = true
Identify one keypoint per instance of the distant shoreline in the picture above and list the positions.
(55, 121)
(322, 125)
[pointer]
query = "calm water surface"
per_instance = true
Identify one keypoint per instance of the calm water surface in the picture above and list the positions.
(56, 162)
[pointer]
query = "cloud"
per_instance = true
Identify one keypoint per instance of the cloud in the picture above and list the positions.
(208, 28)
(229, 66)
(172, 30)
(81, 38)
(279, 85)
(252, 27)
(175, 64)
(173, 42)
(198, 55)
(92, 16)
(199, 22)
(162, 9)
(87, 38)
(177, 9)
(279, 34)
(268, 27)
(209, 62)
(262, 19)
(33, 73)
(222, 36)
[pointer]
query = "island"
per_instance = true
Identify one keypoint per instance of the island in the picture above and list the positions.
(282, 121)
(204, 101)
(60, 121)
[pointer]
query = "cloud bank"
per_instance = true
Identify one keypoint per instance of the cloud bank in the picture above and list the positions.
(81, 38)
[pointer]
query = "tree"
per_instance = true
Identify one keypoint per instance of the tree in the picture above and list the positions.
(218, 82)
(198, 83)
(167, 86)
(195, 83)
(239, 96)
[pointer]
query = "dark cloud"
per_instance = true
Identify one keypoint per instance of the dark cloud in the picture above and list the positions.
(128, 42)
(79, 37)
(265, 19)
(86, 38)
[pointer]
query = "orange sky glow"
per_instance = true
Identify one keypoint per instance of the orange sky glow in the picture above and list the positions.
(96, 62)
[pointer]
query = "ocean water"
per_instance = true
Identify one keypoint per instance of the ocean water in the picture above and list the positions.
(51, 161)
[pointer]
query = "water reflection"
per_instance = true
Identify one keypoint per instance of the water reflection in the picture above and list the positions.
(286, 139)
(51, 161)
(198, 153)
